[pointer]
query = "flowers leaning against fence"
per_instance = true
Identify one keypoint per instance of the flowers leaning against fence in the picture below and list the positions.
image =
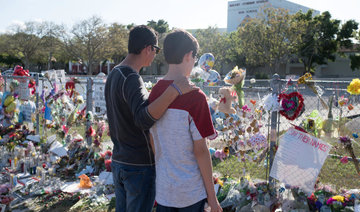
(307, 80)
(347, 144)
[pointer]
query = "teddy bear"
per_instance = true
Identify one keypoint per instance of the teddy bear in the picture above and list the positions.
(225, 101)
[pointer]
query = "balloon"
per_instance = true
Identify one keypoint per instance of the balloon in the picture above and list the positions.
(11, 107)
(9, 100)
(206, 61)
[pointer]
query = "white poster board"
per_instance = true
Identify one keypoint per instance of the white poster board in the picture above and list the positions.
(99, 104)
(299, 159)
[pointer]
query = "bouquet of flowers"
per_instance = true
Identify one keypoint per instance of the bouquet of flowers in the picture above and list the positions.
(307, 80)
(236, 77)
(347, 144)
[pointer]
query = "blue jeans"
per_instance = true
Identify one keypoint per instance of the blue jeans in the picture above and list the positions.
(134, 187)
(197, 207)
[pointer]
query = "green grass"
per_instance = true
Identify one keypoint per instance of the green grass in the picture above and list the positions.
(333, 172)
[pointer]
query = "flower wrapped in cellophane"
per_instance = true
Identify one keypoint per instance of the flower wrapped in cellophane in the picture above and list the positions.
(347, 144)
(236, 77)
(307, 80)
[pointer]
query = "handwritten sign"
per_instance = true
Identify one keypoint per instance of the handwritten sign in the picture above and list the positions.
(299, 159)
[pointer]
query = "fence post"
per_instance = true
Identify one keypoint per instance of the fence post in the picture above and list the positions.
(275, 87)
(89, 107)
(37, 105)
(5, 79)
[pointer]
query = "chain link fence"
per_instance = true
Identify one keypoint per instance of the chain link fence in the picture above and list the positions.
(329, 94)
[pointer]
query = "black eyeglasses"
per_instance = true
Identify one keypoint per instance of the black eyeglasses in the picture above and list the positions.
(157, 49)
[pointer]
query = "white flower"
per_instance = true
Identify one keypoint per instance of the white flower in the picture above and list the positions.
(148, 85)
(252, 80)
(271, 103)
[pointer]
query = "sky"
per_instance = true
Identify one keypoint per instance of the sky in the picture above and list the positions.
(187, 14)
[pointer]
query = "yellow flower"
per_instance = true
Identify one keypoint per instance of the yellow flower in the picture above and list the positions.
(308, 76)
(354, 87)
(301, 80)
(339, 198)
(220, 182)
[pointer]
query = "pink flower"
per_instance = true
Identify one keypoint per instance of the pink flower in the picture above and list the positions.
(106, 154)
(245, 108)
(108, 165)
(344, 159)
(65, 129)
(330, 201)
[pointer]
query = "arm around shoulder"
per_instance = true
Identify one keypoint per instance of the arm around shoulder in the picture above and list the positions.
(135, 95)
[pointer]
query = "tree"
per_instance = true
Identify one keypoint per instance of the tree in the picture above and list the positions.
(222, 46)
(161, 27)
(51, 41)
(322, 38)
(87, 41)
(9, 60)
(25, 42)
(355, 57)
(117, 42)
(271, 39)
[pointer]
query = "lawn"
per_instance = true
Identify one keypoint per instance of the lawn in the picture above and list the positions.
(333, 172)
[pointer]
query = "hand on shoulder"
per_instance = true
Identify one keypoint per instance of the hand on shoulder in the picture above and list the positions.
(185, 85)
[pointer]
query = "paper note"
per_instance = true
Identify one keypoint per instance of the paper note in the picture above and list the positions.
(299, 159)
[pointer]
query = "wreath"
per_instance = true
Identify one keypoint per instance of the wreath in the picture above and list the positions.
(292, 104)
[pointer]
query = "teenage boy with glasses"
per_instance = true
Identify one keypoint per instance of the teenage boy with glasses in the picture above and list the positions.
(183, 165)
(130, 117)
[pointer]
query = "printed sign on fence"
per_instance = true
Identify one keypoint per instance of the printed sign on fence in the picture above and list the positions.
(299, 159)
(99, 97)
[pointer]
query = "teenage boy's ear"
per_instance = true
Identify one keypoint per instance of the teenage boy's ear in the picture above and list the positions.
(188, 56)
(148, 49)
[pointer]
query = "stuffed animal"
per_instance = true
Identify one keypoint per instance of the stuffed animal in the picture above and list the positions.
(222, 154)
(225, 101)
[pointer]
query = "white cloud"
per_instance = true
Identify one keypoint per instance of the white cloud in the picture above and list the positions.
(38, 20)
(21, 24)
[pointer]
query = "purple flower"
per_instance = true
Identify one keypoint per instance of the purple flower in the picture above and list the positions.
(345, 139)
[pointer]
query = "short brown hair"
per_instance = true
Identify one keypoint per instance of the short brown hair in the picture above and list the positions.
(140, 37)
(178, 43)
